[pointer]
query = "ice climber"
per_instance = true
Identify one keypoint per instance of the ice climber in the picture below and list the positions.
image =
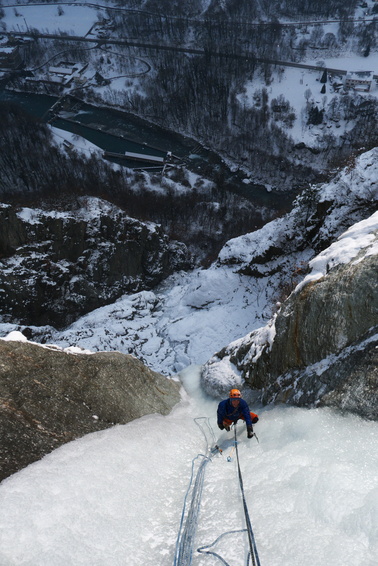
(234, 408)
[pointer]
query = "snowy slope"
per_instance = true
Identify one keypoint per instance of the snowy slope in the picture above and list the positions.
(347, 198)
(180, 323)
(192, 315)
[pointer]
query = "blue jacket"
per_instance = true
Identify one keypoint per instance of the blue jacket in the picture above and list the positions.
(227, 411)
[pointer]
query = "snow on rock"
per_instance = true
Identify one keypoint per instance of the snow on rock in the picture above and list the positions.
(358, 179)
(190, 316)
(15, 336)
(195, 314)
(70, 262)
(320, 214)
(179, 323)
(245, 249)
(183, 321)
(223, 371)
(360, 241)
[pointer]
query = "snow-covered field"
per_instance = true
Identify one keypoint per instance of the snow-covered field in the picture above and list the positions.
(115, 497)
(54, 18)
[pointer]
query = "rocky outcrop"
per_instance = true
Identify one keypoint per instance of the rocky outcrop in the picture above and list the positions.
(58, 265)
(319, 215)
(49, 397)
(347, 380)
(321, 348)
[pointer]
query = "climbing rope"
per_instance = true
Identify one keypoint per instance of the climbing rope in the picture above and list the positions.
(203, 551)
(185, 539)
(188, 523)
(252, 554)
(203, 422)
(189, 519)
(251, 537)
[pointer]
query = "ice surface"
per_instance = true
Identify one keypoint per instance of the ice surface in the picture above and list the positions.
(115, 497)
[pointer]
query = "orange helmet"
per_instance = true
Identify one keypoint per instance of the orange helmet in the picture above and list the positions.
(235, 394)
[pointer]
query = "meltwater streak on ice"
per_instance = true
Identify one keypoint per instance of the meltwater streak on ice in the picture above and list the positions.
(115, 497)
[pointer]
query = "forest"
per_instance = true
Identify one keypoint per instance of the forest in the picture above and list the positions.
(204, 217)
(203, 94)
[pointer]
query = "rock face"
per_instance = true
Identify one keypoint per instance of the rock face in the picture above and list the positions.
(57, 266)
(322, 346)
(319, 215)
(325, 348)
(49, 397)
(326, 316)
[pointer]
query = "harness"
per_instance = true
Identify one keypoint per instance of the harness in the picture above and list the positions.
(235, 412)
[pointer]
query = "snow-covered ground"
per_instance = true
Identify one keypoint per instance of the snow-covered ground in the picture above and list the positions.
(56, 18)
(81, 145)
(300, 87)
(116, 497)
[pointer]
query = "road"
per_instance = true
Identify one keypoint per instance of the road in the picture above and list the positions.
(158, 47)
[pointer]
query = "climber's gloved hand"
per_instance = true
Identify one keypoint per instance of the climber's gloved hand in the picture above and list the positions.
(227, 428)
(250, 432)
(220, 426)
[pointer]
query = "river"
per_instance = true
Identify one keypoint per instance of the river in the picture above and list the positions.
(116, 131)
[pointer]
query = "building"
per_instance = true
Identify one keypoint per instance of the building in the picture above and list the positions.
(10, 57)
(144, 157)
(64, 73)
(359, 80)
(64, 69)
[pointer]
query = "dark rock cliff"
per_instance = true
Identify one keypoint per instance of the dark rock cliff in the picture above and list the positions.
(56, 266)
(49, 397)
(325, 348)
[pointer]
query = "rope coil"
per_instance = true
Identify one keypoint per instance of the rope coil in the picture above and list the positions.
(187, 531)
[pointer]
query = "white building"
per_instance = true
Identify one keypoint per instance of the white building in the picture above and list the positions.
(359, 80)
